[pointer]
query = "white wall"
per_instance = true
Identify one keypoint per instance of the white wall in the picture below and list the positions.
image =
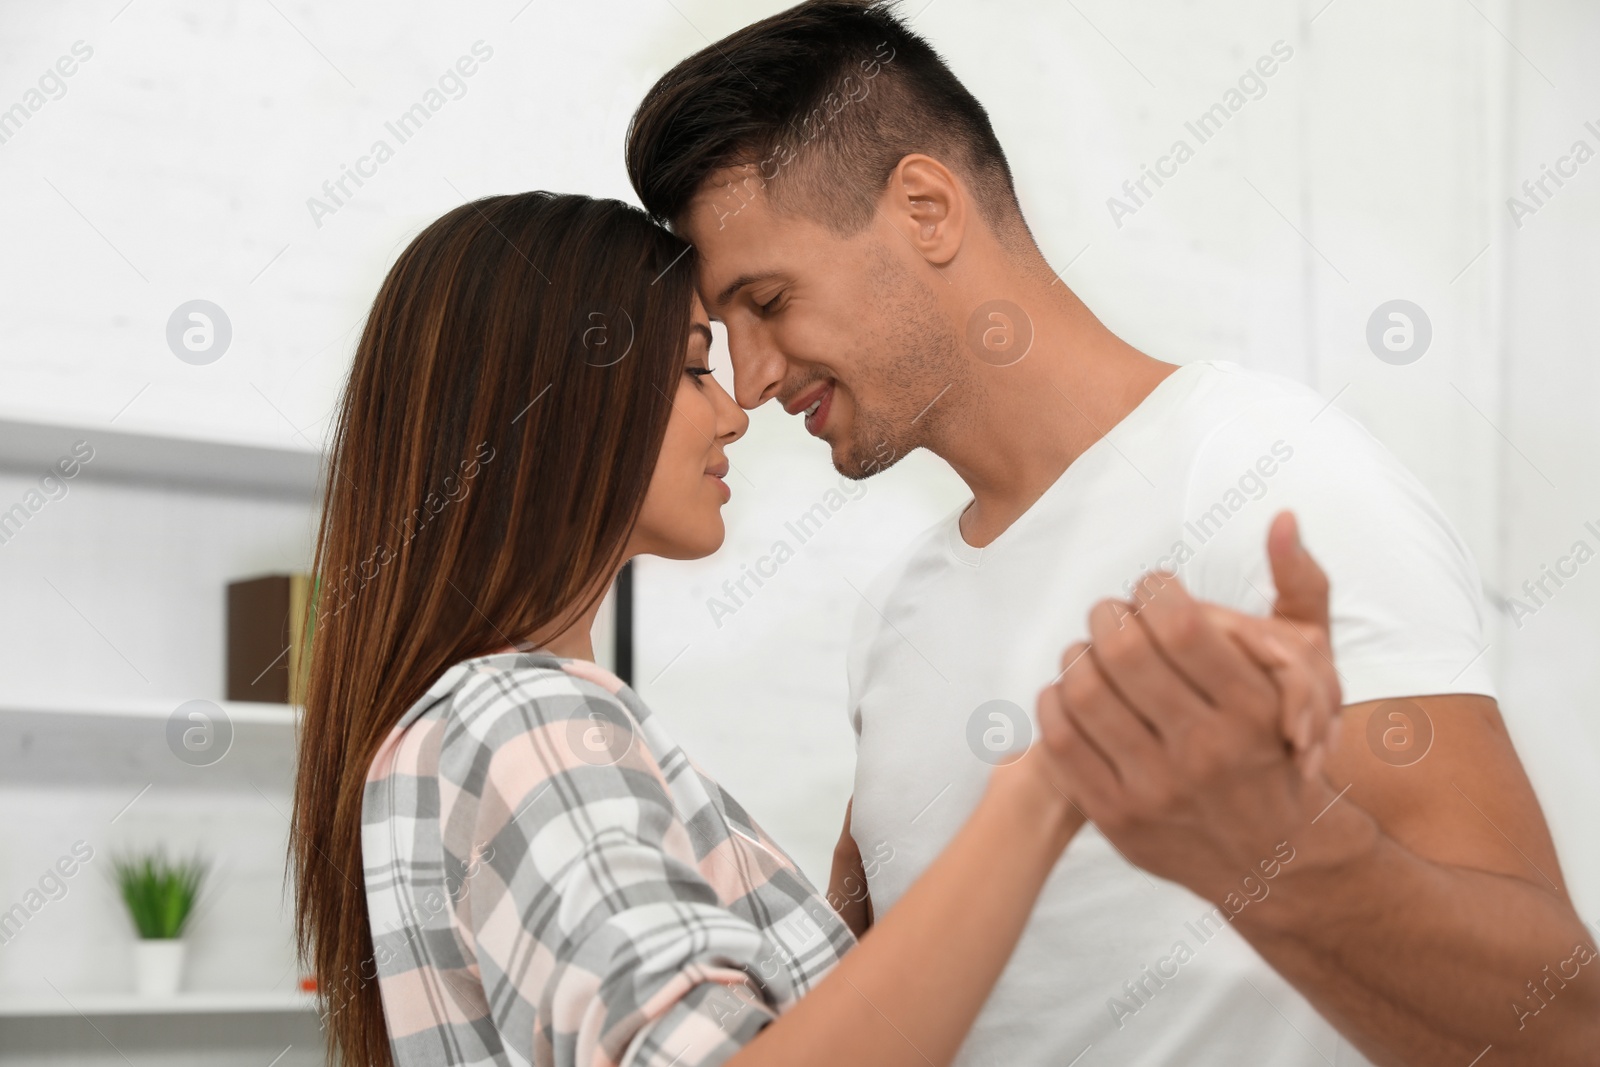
(1376, 165)
(1547, 401)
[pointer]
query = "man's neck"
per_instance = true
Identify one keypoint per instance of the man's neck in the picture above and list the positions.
(1033, 419)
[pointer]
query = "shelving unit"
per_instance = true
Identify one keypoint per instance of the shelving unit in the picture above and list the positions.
(116, 590)
(99, 735)
(143, 542)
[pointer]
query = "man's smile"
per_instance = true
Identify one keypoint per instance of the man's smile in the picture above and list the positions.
(815, 403)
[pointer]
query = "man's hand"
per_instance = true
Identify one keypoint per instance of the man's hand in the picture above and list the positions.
(1172, 723)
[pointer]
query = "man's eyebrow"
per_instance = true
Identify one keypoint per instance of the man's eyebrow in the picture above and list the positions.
(739, 283)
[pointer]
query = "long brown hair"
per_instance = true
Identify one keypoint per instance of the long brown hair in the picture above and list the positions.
(497, 434)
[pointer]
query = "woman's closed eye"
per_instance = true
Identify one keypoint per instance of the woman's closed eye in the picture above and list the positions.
(697, 373)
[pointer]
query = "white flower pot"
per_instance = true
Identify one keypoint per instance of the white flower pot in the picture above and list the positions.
(158, 966)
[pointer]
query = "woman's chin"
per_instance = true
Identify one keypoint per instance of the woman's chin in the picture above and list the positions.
(696, 544)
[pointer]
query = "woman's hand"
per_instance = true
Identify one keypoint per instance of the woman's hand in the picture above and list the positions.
(1299, 661)
(1294, 645)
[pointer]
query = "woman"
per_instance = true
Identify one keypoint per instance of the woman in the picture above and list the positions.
(501, 855)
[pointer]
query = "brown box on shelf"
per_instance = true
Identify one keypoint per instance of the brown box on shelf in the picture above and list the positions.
(269, 638)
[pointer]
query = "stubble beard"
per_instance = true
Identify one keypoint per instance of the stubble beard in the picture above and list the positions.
(915, 369)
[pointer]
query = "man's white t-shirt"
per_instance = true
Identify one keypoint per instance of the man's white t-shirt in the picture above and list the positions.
(1118, 966)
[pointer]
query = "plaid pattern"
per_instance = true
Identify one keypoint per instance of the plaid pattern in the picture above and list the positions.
(551, 881)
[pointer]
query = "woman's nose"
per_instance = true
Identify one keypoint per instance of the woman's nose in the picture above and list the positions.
(732, 420)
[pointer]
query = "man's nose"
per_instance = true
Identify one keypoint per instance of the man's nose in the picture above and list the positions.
(758, 368)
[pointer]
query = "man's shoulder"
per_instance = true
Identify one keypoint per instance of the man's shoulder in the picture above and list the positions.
(1204, 403)
(1246, 414)
(1224, 392)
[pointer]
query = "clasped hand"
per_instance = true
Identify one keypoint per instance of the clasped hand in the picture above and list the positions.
(1193, 736)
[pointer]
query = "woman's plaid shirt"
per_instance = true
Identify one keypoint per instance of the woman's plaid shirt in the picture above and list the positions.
(552, 882)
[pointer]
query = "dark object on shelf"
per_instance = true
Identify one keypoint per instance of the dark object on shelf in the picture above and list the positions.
(269, 638)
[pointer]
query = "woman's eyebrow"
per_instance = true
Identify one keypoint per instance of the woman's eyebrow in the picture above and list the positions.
(703, 330)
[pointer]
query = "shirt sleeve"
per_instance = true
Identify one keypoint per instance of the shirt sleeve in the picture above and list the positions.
(598, 939)
(1406, 600)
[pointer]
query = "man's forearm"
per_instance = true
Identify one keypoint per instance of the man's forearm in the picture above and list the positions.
(1421, 963)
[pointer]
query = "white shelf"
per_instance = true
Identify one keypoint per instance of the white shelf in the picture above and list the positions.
(239, 712)
(54, 741)
(156, 459)
(35, 1006)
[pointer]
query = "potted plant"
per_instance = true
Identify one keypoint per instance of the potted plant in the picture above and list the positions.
(160, 895)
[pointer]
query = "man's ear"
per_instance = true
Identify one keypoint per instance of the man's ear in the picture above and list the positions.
(929, 206)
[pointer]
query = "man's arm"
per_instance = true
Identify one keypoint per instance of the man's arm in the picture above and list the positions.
(1423, 911)
(1425, 914)
(847, 881)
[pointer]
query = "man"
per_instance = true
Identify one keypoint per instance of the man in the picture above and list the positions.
(860, 238)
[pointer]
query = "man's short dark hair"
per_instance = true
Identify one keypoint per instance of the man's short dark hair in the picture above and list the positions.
(824, 99)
